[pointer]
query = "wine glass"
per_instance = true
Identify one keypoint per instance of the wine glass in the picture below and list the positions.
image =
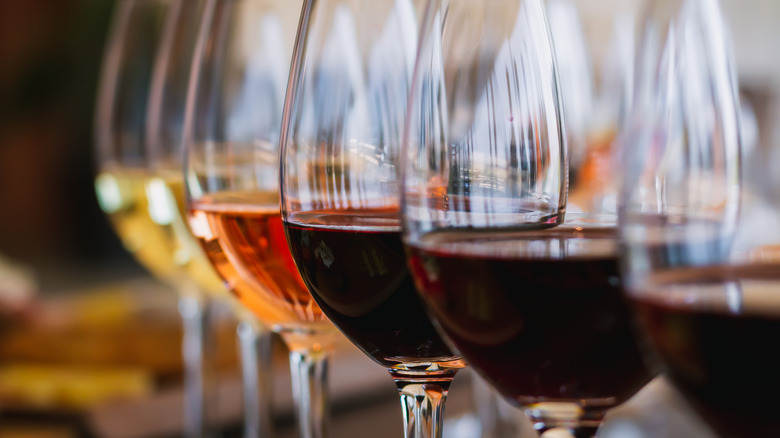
(527, 292)
(141, 209)
(341, 133)
(704, 282)
(234, 108)
(165, 195)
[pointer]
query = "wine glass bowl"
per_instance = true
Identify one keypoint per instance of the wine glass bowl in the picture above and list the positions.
(232, 161)
(528, 293)
(341, 138)
(539, 313)
(120, 126)
(704, 282)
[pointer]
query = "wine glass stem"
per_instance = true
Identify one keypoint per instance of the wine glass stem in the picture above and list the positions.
(560, 432)
(196, 351)
(309, 371)
(422, 401)
(553, 420)
(255, 344)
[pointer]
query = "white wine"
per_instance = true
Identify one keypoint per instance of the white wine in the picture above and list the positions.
(148, 213)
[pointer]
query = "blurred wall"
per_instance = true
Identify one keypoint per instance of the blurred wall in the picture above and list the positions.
(50, 53)
(755, 26)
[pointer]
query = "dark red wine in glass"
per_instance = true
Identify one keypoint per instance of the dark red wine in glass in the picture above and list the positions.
(540, 314)
(716, 331)
(355, 268)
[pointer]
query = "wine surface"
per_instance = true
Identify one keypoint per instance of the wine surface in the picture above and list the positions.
(243, 236)
(540, 314)
(355, 266)
(147, 212)
(716, 332)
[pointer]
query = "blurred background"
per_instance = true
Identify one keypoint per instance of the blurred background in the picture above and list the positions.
(73, 301)
(51, 52)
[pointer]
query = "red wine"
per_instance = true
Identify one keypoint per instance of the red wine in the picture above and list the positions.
(355, 268)
(717, 333)
(540, 314)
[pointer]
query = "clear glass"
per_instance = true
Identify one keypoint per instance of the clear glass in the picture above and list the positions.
(255, 345)
(341, 136)
(596, 74)
(576, 73)
(231, 133)
(526, 290)
(497, 418)
(700, 259)
(146, 212)
(164, 182)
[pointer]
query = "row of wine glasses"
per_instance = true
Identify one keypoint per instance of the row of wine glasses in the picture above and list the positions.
(140, 185)
(146, 209)
(412, 188)
(234, 108)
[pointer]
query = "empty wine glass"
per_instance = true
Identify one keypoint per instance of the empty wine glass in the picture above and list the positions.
(705, 284)
(527, 292)
(239, 75)
(165, 194)
(341, 134)
(143, 210)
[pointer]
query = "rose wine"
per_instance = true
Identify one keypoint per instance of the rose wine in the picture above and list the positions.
(716, 331)
(355, 267)
(146, 210)
(540, 313)
(243, 236)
